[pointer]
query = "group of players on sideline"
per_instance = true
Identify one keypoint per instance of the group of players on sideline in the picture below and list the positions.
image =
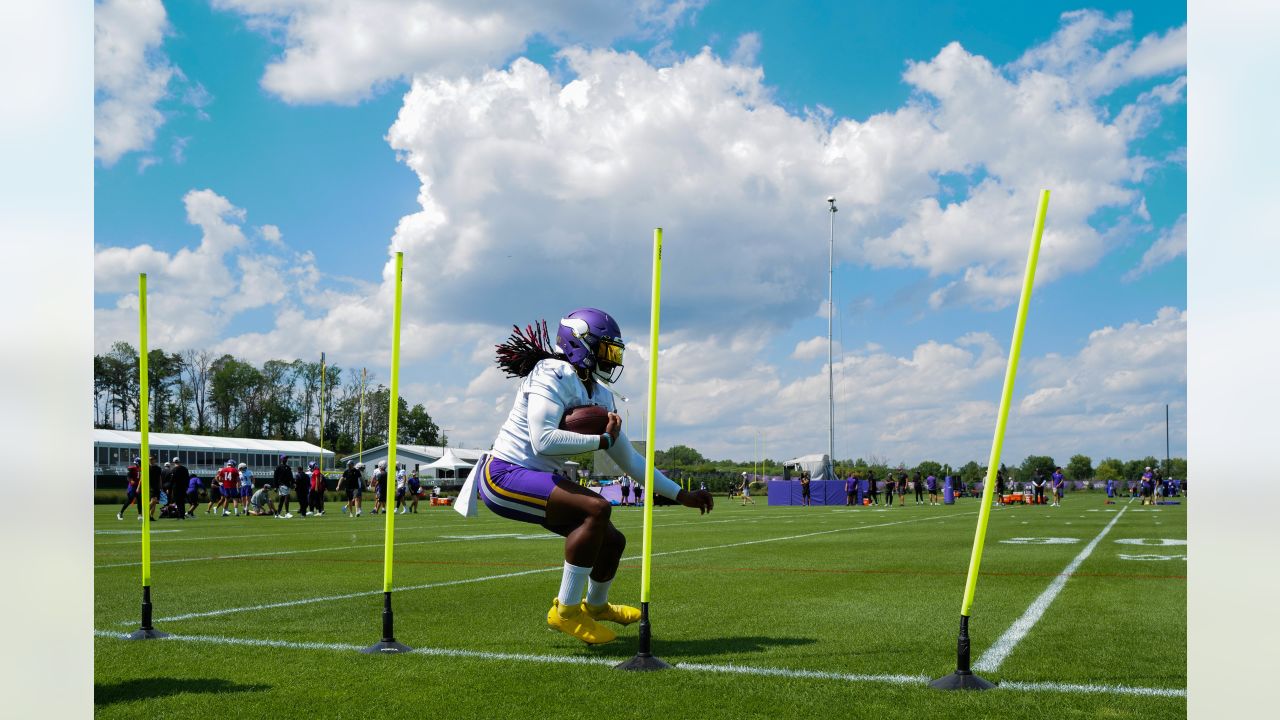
(1151, 487)
(233, 490)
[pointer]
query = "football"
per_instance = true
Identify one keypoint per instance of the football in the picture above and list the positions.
(585, 419)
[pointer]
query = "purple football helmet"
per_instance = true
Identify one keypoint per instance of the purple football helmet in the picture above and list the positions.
(591, 340)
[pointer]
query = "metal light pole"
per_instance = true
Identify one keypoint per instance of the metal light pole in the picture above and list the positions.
(831, 313)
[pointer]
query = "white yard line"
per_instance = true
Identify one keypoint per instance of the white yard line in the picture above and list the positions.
(501, 576)
(282, 552)
(890, 678)
(471, 524)
(1000, 650)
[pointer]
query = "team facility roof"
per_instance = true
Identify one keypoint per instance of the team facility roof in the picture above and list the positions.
(133, 438)
(471, 455)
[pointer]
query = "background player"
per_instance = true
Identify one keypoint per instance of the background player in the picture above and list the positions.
(131, 492)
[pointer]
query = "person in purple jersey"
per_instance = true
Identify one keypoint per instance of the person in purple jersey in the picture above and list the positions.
(1148, 487)
(931, 482)
(523, 476)
(193, 494)
(1059, 484)
(850, 488)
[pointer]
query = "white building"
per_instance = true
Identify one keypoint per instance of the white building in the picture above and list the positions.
(418, 457)
(114, 450)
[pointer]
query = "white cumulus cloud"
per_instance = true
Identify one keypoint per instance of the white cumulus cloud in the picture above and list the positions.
(130, 76)
(345, 50)
(1171, 244)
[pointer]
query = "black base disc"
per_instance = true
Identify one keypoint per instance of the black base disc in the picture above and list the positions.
(959, 680)
(388, 647)
(643, 663)
(146, 634)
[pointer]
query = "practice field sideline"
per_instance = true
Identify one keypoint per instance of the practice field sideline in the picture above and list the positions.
(767, 612)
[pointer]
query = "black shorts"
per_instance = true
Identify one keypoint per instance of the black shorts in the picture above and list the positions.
(804, 491)
(382, 493)
(352, 494)
(193, 497)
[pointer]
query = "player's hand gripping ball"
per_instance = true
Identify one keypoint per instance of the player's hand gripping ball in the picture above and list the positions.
(585, 420)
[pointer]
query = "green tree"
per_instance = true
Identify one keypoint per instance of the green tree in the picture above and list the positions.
(1175, 468)
(232, 388)
(164, 373)
(119, 368)
(417, 427)
(1080, 467)
(1043, 463)
(278, 411)
(1134, 468)
(927, 468)
(681, 456)
(972, 473)
(1110, 469)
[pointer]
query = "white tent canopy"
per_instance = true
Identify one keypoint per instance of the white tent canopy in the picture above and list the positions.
(448, 461)
(818, 466)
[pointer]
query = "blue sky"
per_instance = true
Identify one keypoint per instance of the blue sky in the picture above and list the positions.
(523, 188)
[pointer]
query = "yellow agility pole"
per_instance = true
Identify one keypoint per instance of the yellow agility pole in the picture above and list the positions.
(963, 678)
(644, 659)
(145, 632)
(388, 643)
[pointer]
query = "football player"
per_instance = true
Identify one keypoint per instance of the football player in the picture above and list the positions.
(522, 478)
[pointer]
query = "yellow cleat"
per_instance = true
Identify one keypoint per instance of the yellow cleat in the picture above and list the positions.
(621, 614)
(573, 620)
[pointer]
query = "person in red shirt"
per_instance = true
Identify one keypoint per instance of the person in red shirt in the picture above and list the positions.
(317, 490)
(229, 478)
(131, 493)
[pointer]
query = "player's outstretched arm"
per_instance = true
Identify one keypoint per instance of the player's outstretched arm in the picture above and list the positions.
(698, 499)
(630, 461)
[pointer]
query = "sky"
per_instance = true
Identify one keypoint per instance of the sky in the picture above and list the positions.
(262, 160)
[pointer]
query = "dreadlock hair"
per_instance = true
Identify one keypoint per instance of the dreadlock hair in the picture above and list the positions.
(525, 349)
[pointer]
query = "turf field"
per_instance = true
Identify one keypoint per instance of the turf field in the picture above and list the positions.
(767, 612)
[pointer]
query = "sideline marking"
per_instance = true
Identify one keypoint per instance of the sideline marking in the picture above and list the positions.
(553, 568)
(996, 654)
(895, 679)
(130, 532)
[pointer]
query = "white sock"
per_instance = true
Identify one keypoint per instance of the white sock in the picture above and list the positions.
(598, 592)
(572, 583)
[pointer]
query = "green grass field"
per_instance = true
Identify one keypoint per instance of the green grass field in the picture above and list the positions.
(766, 612)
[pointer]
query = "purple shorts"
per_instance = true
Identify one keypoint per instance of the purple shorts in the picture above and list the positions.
(515, 492)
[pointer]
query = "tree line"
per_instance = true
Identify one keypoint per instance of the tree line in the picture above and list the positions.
(200, 393)
(684, 460)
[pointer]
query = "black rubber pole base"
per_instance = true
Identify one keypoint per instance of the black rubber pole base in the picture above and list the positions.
(961, 680)
(644, 659)
(643, 662)
(389, 647)
(146, 633)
